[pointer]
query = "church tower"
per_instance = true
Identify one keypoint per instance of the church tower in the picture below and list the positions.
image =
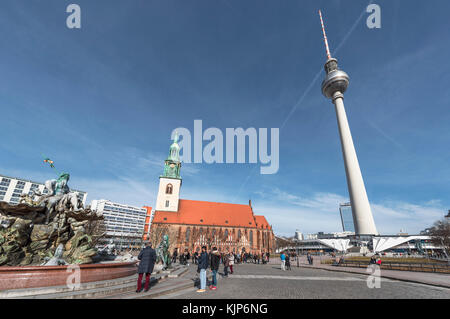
(170, 181)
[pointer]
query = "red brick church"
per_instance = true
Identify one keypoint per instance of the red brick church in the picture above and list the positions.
(192, 224)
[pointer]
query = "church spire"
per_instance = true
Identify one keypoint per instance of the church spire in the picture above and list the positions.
(172, 164)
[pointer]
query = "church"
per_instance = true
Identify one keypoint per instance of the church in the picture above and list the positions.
(192, 224)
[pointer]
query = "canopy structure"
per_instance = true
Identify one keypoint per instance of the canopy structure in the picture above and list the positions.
(384, 243)
(338, 244)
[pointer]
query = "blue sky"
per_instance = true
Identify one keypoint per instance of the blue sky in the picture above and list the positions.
(102, 101)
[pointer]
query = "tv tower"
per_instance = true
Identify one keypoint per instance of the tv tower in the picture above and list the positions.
(333, 87)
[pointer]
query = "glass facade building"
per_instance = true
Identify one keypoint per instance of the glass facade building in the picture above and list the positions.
(346, 217)
(124, 224)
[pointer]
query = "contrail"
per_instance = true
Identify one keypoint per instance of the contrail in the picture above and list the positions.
(316, 77)
(311, 85)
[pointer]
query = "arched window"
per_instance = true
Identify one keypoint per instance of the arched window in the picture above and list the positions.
(226, 234)
(251, 238)
(239, 234)
(188, 232)
(169, 189)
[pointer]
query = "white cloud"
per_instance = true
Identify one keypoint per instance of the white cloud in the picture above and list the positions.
(320, 212)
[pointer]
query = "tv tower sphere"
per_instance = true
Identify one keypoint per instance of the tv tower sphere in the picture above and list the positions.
(333, 87)
(335, 81)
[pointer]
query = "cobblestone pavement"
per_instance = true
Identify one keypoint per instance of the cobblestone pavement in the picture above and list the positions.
(268, 281)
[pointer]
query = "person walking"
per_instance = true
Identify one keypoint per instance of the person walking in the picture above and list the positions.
(283, 260)
(231, 262)
(202, 266)
(147, 258)
(288, 262)
(174, 256)
(226, 263)
(268, 257)
(188, 256)
(214, 264)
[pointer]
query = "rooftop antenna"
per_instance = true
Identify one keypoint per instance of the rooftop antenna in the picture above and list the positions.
(325, 36)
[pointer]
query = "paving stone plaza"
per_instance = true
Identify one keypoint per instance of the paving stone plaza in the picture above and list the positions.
(269, 281)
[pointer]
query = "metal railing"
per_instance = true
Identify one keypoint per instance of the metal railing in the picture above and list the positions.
(389, 265)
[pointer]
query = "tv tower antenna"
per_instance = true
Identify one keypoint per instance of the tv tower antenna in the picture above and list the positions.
(327, 48)
(333, 87)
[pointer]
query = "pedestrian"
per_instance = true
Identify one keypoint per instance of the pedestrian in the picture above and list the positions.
(147, 258)
(308, 256)
(175, 255)
(202, 266)
(288, 262)
(226, 263)
(231, 261)
(196, 257)
(214, 264)
(283, 260)
(378, 261)
(268, 257)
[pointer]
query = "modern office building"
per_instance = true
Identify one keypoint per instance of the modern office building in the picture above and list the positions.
(345, 211)
(298, 235)
(124, 224)
(12, 187)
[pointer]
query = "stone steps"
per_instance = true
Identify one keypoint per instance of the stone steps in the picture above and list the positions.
(163, 288)
(178, 272)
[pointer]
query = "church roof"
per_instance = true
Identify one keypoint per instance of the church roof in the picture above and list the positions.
(261, 222)
(193, 212)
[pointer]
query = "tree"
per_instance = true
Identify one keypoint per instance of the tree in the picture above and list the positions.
(96, 229)
(440, 235)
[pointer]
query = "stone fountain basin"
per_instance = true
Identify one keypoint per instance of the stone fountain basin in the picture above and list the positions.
(20, 277)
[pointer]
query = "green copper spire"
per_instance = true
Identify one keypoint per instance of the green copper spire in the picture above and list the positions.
(172, 164)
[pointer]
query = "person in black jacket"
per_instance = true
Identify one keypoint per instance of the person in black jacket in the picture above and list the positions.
(175, 255)
(203, 264)
(147, 258)
(214, 264)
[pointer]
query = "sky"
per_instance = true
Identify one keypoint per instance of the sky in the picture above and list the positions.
(102, 101)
